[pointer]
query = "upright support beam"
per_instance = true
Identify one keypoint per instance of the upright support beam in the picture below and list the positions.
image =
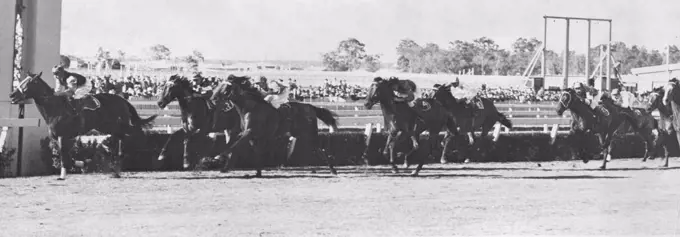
(588, 53)
(565, 66)
(545, 43)
(609, 61)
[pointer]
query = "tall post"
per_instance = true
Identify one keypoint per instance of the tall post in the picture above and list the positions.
(608, 56)
(668, 60)
(588, 53)
(565, 70)
(545, 43)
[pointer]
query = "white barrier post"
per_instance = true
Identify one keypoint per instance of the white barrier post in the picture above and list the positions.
(168, 129)
(378, 128)
(3, 137)
(553, 133)
(545, 128)
(331, 130)
(496, 132)
(367, 131)
(506, 129)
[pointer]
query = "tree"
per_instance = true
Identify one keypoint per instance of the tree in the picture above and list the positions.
(372, 63)
(159, 52)
(64, 61)
(348, 56)
(198, 56)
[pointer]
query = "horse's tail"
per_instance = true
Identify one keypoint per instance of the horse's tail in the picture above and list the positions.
(138, 121)
(504, 120)
(326, 116)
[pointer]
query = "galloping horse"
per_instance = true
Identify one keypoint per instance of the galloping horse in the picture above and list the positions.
(403, 122)
(667, 125)
(467, 120)
(262, 123)
(106, 113)
(603, 121)
(199, 117)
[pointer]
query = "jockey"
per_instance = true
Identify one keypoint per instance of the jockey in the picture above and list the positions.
(278, 93)
(74, 85)
(465, 94)
(623, 98)
(405, 91)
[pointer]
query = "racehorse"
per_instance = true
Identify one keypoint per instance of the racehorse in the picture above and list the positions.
(603, 121)
(403, 122)
(667, 126)
(106, 113)
(467, 120)
(643, 122)
(262, 123)
(199, 117)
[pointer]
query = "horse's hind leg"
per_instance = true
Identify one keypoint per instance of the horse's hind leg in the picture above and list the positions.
(393, 153)
(606, 149)
(324, 156)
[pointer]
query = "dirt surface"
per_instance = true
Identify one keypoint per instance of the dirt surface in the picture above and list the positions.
(558, 198)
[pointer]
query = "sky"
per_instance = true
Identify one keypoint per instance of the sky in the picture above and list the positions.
(304, 29)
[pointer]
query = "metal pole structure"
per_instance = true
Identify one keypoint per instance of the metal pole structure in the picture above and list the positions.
(588, 53)
(565, 70)
(609, 62)
(545, 43)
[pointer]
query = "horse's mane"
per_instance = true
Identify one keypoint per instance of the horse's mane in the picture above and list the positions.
(183, 81)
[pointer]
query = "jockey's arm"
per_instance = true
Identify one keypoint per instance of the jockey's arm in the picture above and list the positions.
(59, 87)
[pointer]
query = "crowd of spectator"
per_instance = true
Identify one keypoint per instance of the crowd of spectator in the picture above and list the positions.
(332, 89)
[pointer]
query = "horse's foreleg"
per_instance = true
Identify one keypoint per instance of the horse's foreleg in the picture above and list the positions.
(175, 135)
(605, 140)
(446, 148)
(392, 143)
(117, 159)
(237, 147)
(186, 154)
(63, 151)
(262, 147)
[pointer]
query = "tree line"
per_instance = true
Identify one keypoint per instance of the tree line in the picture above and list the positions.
(484, 57)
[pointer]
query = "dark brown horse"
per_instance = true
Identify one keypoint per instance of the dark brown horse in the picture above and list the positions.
(199, 118)
(404, 122)
(263, 124)
(108, 114)
(666, 124)
(467, 120)
(602, 121)
(643, 122)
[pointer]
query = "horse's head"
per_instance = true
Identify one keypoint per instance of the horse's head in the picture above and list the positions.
(442, 93)
(670, 89)
(567, 99)
(380, 91)
(175, 88)
(30, 87)
(655, 98)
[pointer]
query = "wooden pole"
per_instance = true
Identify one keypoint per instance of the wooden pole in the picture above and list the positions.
(565, 70)
(609, 61)
(588, 53)
(545, 43)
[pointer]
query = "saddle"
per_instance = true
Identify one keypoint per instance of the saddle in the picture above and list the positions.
(89, 102)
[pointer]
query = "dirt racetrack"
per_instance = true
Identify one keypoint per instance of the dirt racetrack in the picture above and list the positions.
(558, 198)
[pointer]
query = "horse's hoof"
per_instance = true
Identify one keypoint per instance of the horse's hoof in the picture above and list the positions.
(61, 179)
(585, 161)
(115, 176)
(443, 161)
(466, 161)
(161, 157)
(603, 167)
(414, 174)
(406, 166)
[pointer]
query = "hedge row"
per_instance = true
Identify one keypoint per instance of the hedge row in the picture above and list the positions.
(345, 148)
